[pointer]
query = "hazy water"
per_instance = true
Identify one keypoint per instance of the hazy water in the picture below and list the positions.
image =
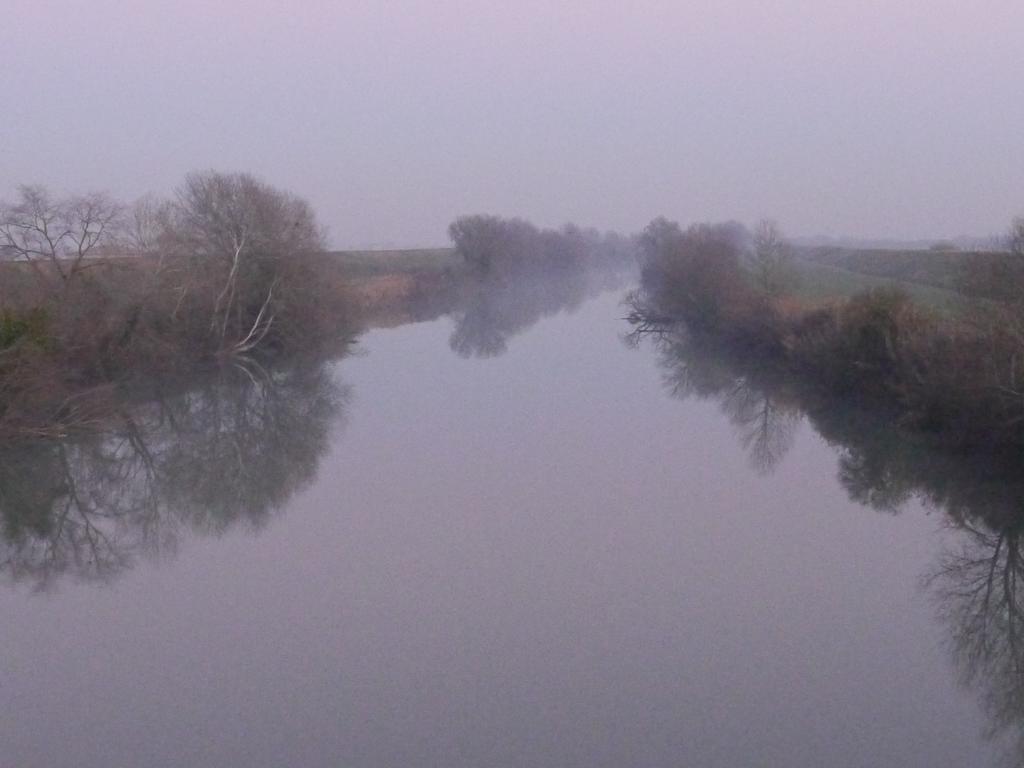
(534, 559)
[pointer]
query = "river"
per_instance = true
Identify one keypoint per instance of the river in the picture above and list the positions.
(479, 542)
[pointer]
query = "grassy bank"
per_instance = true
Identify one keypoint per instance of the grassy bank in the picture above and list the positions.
(389, 288)
(828, 280)
(413, 261)
(940, 269)
(67, 353)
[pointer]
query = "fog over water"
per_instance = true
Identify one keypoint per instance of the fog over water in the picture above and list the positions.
(844, 117)
(562, 552)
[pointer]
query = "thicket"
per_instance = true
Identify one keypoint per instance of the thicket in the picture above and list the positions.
(94, 293)
(959, 376)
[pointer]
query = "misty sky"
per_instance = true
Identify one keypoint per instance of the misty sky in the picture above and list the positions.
(892, 119)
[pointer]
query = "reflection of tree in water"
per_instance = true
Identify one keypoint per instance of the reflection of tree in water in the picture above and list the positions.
(482, 329)
(765, 418)
(977, 586)
(766, 428)
(494, 311)
(228, 449)
(977, 589)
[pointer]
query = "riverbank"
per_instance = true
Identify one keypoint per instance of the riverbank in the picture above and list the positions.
(68, 352)
(69, 348)
(951, 375)
(391, 288)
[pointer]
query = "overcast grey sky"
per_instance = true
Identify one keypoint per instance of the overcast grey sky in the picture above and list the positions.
(902, 118)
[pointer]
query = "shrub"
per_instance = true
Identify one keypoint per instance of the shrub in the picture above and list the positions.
(31, 325)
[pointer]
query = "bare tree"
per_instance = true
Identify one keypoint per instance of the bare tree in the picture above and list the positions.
(245, 236)
(147, 223)
(57, 236)
(1015, 237)
(771, 258)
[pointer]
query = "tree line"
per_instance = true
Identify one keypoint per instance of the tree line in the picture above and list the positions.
(497, 248)
(517, 273)
(957, 375)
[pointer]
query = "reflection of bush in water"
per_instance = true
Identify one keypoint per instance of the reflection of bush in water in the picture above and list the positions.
(975, 585)
(229, 448)
(880, 465)
(493, 312)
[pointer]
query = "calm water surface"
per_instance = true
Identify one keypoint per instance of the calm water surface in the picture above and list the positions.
(532, 553)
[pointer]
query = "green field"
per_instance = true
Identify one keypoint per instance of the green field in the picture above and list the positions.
(823, 281)
(937, 268)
